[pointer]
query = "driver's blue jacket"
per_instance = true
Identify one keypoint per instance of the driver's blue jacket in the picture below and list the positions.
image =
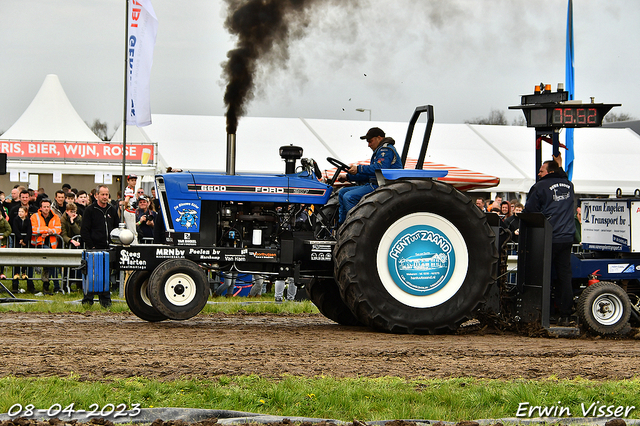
(384, 157)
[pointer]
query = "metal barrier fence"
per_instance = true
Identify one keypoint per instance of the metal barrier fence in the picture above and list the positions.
(512, 259)
(64, 258)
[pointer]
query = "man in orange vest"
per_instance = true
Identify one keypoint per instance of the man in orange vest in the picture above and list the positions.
(45, 230)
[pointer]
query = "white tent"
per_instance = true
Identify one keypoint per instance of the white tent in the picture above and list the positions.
(50, 117)
(51, 137)
(605, 159)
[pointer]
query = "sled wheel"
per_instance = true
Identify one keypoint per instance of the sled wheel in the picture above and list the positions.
(178, 289)
(415, 256)
(604, 307)
(136, 295)
(325, 294)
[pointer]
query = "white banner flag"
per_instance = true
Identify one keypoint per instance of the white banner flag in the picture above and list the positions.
(143, 27)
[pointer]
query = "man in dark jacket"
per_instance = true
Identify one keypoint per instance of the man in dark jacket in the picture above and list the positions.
(98, 221)
(553, 196)
(23, 201)
(21, 227)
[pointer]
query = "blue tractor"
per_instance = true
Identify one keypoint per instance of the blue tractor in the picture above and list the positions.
(414, 256)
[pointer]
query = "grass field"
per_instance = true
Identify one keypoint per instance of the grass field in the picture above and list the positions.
(66, 303)
(345, 399)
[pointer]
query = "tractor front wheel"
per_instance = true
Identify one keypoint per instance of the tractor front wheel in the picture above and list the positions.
(136, 294)
(179, 289)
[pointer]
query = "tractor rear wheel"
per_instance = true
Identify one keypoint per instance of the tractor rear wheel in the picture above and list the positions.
(604, 307)
(178, 289)
(137, 297)
(325, 294)
(415, 256)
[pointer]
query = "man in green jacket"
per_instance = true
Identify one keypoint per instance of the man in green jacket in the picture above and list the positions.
(71, 223)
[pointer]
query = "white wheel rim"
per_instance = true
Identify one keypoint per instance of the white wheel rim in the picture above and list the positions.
(607, 309)
(180, 289)
(428, 278)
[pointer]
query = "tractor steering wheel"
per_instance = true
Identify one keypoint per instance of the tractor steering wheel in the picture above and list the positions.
(340, 167)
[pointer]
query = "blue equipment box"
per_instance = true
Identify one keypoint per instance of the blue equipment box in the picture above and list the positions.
(242, 286)
(243, 283)
(96, 278)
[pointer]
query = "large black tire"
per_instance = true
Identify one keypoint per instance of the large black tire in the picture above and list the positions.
(178, 289)
(604, 308)
(415, 256)
(136, 294)
(325, 294)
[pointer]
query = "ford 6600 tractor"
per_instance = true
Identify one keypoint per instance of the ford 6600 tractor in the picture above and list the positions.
(414, 256)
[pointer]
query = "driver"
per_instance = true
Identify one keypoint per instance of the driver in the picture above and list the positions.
(384, 156)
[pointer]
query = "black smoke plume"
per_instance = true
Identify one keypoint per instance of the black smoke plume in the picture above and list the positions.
(264, 29)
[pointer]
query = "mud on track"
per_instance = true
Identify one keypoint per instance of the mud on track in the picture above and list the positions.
(98, 345)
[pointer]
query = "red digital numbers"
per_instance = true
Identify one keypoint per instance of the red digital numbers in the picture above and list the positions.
(574, 117)
(569, 116)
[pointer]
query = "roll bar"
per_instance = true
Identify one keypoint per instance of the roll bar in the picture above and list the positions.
(427, 134)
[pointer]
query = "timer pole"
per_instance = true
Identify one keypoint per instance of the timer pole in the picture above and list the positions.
(556, 143)
(541, 134)
(546, 134)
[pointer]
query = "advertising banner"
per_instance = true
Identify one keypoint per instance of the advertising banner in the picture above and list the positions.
(78, 152)
(142, 28)
(606, 225)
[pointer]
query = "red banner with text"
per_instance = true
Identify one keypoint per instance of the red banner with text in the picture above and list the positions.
(78, 152)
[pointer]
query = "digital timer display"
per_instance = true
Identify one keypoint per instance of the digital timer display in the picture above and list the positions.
(543, 111)
(576, 116)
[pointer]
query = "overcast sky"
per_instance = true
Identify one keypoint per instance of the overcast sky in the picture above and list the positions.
(465, 57)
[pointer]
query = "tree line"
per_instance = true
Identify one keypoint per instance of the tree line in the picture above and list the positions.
(498, 118)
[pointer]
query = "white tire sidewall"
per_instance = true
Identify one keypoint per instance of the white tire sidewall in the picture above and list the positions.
(457, 277)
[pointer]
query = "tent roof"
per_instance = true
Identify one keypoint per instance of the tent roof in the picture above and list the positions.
(50, 117)
(631, 124)
(604, 157)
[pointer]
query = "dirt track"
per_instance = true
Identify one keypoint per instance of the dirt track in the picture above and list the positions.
(98, 345)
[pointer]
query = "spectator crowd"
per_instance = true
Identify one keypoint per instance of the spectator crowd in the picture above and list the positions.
(71, 219)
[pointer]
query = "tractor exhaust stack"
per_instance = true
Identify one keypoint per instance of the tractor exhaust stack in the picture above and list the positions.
(231, 153)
